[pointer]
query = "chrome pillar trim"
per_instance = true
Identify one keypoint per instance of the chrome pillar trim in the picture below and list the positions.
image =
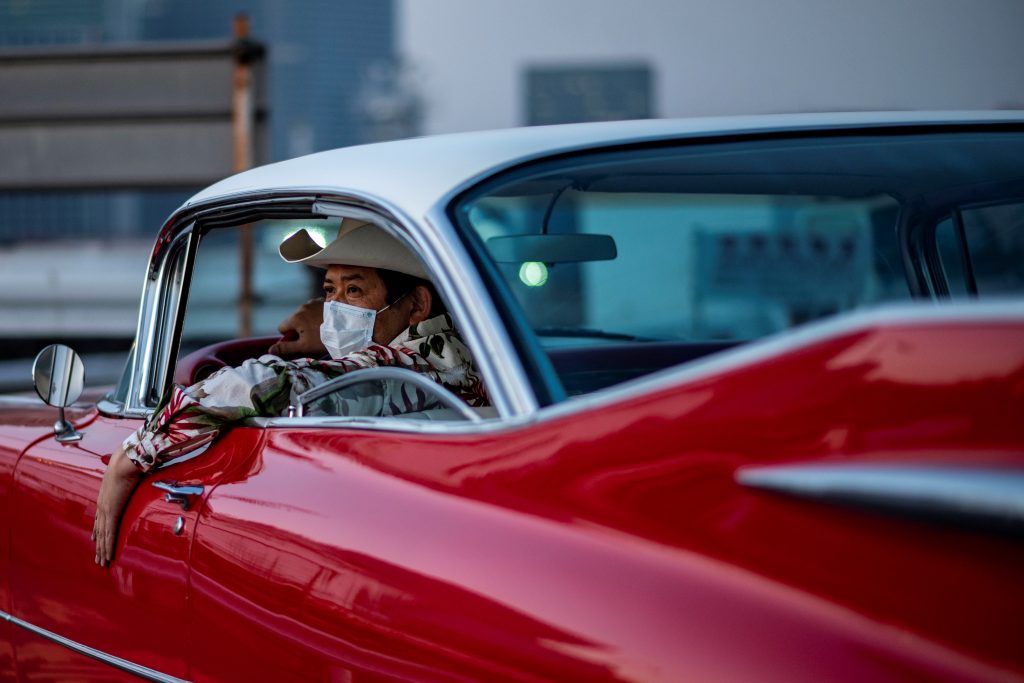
(397, 424)
(144, 336)
(985, 495)
(116, 662)
(114, 408)
(494, 351)
(152, 335)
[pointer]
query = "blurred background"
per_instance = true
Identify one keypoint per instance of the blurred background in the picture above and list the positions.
(75, 236)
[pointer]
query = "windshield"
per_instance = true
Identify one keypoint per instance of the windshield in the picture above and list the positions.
(700, 247)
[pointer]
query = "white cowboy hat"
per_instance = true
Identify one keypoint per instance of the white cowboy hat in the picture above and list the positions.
(358, 244)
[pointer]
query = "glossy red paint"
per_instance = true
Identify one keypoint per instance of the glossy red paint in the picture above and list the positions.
(616, 545)
(606, 544)
(22, 422)
(39, 660)
(7, 670)
(140, 600)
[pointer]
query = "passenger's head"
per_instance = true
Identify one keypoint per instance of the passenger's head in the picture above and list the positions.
(368, 268)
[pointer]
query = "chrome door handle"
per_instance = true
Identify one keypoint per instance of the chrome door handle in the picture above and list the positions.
(182, 495)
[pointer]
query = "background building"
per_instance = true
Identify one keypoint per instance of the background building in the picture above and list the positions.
(323, 61)
(490, 64)
(342, 72)
(71, 262)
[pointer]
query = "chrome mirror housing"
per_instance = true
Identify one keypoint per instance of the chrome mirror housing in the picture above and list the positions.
(59, 377)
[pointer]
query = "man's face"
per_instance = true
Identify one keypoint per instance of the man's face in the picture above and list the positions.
(363, 287)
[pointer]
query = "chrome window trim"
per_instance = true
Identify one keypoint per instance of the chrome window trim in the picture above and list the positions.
(116, 662)
(178, 268)
(108, 406)
(148, 310)
(494, 351)
(394, 424)
(111, 401)
(156, 323)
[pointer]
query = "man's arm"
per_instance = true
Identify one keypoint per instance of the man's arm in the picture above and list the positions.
(120, 479)
(192, 418)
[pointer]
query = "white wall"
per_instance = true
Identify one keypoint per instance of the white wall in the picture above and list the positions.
(714, 57)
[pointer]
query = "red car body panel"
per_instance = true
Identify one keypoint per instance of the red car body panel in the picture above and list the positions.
(127, 609)
(57, 585)
(477, 557)
(20, 424)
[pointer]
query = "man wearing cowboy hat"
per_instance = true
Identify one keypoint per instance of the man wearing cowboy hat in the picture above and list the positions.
(379, 310)
(392, 268)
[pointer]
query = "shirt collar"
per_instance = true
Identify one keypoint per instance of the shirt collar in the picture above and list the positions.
(439, 323)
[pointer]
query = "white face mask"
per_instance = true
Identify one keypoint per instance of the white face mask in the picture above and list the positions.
(346, 328)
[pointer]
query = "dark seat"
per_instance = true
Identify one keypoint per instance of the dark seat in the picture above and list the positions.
(588, 368)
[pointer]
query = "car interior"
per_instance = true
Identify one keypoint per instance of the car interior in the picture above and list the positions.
(218, 333)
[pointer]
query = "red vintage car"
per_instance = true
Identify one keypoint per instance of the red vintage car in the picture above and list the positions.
(758, 415)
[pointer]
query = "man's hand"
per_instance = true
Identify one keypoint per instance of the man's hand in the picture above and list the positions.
(301, 332)
(120, 479)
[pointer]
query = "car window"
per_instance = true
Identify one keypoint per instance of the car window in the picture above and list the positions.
(214, 312)
(627, 262)
(988, 258)
(697, 267)
(221, 327)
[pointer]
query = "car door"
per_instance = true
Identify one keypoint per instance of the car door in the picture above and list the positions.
(22, 421)
(329, 563)
(85, 621)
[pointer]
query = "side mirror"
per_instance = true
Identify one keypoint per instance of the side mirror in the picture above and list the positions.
(59, 377)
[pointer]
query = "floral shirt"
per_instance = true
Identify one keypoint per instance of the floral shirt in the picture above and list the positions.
(266, 386)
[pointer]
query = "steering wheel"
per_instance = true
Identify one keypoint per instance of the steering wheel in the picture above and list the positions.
(203, 362)
(443, 395)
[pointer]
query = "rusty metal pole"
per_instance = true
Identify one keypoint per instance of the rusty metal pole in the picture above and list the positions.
(242, 134)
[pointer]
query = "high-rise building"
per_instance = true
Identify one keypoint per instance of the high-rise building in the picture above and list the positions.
(327, 71)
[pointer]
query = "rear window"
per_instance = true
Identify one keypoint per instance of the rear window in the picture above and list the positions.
(982, 250)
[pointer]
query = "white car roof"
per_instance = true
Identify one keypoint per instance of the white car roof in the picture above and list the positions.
(418, 174)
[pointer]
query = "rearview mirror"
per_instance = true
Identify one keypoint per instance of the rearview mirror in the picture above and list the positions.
(59, 377)
(569, 248)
